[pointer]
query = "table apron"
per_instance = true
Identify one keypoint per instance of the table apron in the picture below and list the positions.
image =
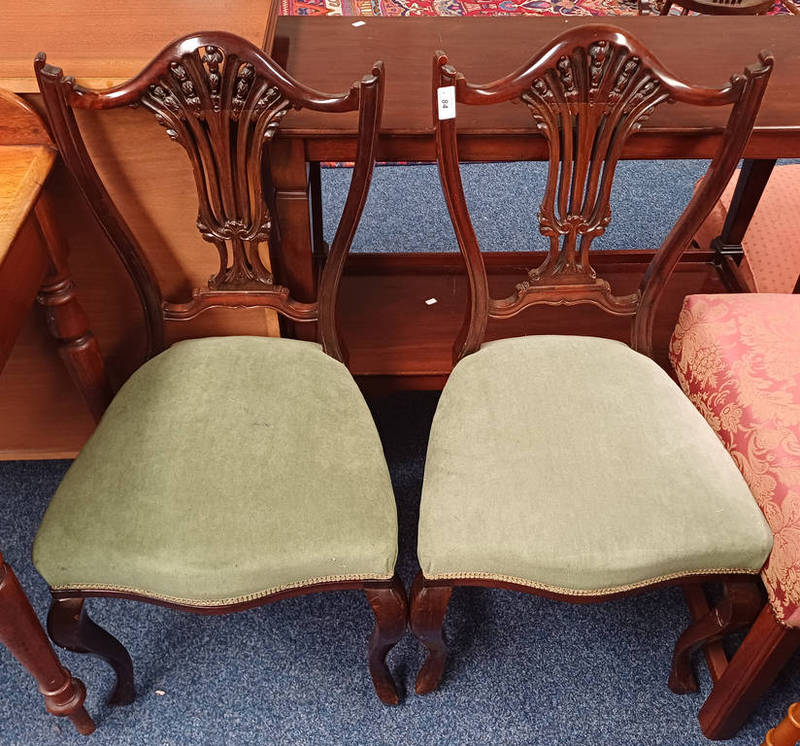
(531, 147)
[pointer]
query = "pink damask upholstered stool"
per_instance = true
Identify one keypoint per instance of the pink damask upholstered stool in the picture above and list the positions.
(737, 357)
(771, 245)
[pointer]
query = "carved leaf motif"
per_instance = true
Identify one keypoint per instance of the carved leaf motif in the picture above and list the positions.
(219, 110)
(586, 106)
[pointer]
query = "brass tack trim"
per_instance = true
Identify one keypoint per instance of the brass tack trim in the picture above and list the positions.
(591, 591)
(218, 601)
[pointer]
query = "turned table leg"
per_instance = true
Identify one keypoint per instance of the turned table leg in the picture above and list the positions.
(66, 319)
(22, 634)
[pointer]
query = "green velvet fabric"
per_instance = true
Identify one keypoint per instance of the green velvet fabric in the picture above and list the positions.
(224, 469)
(576, 465)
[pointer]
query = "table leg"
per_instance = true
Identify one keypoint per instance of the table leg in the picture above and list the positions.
(22, 634)
(293, 264)
(66, 319)
(749, 188)
(319, 247)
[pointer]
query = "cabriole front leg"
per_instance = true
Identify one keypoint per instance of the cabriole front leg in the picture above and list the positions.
(71, 628)
(428, 610)
(391, 615)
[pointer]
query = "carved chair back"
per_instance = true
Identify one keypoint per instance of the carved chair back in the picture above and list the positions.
(222, 99)
(588, 91)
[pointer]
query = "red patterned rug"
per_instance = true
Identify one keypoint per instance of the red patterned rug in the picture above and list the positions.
(469, 7)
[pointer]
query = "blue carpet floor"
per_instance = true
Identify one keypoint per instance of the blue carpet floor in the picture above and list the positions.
(406, 210)
(522, 670)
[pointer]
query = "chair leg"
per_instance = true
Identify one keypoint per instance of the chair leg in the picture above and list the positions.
(428, 609)
(390, 608)
(738, 608)
(71, 628)
(758, 661)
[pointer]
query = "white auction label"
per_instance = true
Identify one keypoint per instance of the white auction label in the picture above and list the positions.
(447, 102)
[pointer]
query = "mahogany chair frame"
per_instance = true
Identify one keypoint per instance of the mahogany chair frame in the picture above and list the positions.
(222, 99)
(588, 91)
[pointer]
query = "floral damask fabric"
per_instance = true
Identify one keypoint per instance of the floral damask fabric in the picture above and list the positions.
(737, 357)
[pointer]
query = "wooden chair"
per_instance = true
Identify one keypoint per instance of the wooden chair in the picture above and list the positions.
(227, 472)
(573, 467)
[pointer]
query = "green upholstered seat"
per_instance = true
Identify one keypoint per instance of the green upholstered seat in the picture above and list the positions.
(225, 469)
(576, 465)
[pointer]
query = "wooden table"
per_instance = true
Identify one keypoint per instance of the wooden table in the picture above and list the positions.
(26, 157)
(401, 340)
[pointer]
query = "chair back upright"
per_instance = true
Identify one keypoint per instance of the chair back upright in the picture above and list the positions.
(222, 100)
(588, 92)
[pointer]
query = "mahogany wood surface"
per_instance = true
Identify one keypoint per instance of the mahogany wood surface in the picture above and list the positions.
(71, 628)
(390, 608)
(66, 319)
(22, 634)
(428, 609)
(115, 40)
(484, 49)
(405, 342)
(714, 651)
(749, 187)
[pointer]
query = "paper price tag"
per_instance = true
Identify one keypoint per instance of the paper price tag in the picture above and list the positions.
(447, 102)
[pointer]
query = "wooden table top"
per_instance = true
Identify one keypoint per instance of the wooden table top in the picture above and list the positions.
(103, 43)
(329, 53)
(23, 170)
(26, 156)
(704, 50)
